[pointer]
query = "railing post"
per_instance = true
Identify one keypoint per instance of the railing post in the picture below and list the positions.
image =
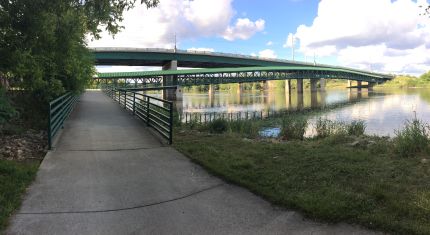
(49, 129)
(134, 103)
(147, 111)
(125, 99)
(171, 123)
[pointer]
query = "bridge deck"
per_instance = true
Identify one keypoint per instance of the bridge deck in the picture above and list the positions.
(108, 175)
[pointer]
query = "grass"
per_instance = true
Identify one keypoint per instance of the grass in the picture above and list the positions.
(293, 127)
(413, 139)
(325, 178)
(407, 82)
(14, 179)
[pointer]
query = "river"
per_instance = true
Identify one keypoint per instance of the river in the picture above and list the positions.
(383, 110)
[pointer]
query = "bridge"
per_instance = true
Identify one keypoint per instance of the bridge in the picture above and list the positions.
(220, 68)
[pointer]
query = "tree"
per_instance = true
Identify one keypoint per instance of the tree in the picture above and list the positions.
(426, 10)
(43, 42)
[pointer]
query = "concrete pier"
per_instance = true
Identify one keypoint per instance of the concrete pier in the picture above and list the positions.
(314, 85)
(288, 86)
(299, 86)
(322, 84)
(211, 94)
(171, 80)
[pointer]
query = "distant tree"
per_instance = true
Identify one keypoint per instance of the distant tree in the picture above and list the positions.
(426, 10)
(43, 42)
(425, 76)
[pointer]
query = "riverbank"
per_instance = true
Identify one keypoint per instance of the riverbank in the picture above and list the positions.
(21, 150)
(359, 180)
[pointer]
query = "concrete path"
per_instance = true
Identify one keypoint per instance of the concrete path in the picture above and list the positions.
(109, 175)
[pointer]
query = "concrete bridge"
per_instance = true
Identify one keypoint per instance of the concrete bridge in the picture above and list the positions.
(220, 68)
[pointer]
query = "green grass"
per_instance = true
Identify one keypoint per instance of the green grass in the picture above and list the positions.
(326, 179)
(407, 82)
(413, 139)
(14, 179)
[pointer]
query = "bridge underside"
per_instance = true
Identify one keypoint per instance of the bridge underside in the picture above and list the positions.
(198, 77)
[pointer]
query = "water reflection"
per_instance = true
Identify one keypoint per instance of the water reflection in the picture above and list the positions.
(383, 110)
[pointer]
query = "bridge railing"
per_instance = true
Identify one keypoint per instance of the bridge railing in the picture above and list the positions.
(156, 113)
(59, 110)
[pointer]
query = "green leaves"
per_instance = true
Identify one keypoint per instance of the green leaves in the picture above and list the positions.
(43, 42)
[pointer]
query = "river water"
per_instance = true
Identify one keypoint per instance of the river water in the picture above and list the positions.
(383, 110)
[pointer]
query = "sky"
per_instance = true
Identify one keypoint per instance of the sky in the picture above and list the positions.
(389, 36)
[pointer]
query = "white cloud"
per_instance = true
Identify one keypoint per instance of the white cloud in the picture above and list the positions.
(289, 42)
(269, 43)
(201, 49)
(188, 19)
(385, 35)
(267, 54)
(243, 29)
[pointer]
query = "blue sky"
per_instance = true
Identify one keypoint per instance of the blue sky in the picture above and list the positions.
(281, 18)
(380, 35)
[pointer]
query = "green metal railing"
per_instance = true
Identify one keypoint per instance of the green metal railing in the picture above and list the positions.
(156, 113)
(59, 110)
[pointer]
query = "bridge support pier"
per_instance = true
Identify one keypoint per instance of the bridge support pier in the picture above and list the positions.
(288, 86)
(359, 83)
(211, 94)
(299, 86)
(314, 86)
(322, 84)
(370, 86)
(300, 100)
(171, 80)
(349, 83)
(314, 99)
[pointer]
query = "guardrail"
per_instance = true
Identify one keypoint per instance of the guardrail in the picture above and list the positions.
(59, 110)
(156, 113)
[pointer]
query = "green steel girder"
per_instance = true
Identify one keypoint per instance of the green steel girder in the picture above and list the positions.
(239, 75)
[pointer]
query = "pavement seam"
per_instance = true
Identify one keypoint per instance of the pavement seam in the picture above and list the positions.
(126, 208)
(109, 150)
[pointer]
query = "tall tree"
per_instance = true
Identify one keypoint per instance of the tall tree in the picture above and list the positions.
(42, 42)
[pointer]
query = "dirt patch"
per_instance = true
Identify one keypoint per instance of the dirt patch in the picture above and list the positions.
(30, 145)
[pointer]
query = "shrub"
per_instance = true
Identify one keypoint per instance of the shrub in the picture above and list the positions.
(356, 128)
(7, 111)
(293, 127)
(218, 126)
(325, 128)
(412, 139)
(245, 127)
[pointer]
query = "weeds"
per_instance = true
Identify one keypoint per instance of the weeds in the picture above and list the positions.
(218, 126)
(245, 127)
(356, 128)
(414, 138)
(293, 127)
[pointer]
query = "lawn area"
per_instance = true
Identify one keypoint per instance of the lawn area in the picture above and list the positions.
(15, 177)
(326, 179)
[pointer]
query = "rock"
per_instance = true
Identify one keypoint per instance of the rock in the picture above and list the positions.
(424, 161)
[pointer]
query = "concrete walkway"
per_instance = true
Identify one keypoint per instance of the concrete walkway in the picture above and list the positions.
(109, 175)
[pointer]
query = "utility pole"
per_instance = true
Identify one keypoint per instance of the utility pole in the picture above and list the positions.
(315, 62)
(174, 49)
(292, 46)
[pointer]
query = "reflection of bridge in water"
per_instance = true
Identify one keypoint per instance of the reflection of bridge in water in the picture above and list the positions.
(262, 106)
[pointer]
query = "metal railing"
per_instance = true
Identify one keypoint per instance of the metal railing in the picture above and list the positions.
(59, 110)
(156, 113)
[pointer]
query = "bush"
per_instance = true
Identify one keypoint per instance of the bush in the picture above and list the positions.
(7, 111)
(356, 128)
(218, 126)
(412, 139)
(325, 128)
(293, 127)
(245, 127)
